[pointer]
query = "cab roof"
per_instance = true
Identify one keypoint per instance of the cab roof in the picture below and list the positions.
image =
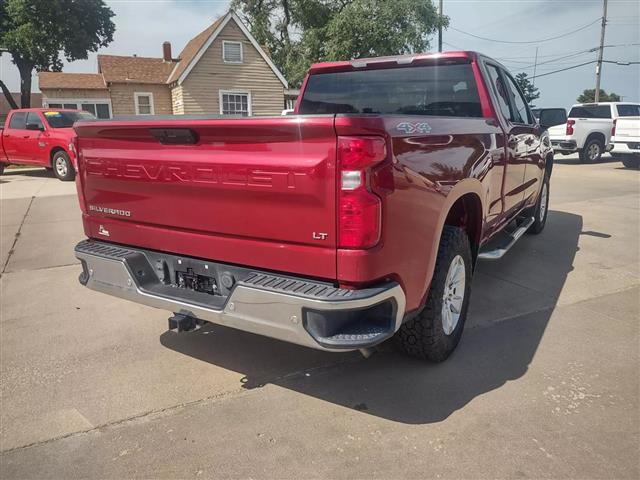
(413, 58)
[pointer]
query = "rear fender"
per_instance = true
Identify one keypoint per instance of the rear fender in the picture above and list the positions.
(464, 187)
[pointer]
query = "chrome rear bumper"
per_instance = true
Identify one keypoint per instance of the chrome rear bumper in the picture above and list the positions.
(309, 313)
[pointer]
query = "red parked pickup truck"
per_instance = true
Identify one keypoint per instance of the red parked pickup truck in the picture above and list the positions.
(40, 137)
(357, 219)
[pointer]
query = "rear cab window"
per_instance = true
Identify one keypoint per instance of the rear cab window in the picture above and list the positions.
(628, 110)
(591, 111)
(438, 90)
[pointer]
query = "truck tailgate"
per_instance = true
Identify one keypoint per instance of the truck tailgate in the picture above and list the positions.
(258, 192)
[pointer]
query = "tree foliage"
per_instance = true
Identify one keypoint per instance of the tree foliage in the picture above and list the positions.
(300, 32)
(530, 92)
(35, 32)
(589, 96)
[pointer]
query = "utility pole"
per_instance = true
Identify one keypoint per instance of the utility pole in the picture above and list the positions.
(535, 67)
(600, 51)
(440, 27)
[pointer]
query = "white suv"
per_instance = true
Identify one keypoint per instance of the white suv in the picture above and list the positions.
(588, 129)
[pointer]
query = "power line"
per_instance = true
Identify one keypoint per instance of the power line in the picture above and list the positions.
(587, 63)
(599, 19)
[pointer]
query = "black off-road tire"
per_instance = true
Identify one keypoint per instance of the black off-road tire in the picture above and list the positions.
(586, 156)
(2, 165)
(541, 210)
(423, 336)
(630, 161)
(62, 167)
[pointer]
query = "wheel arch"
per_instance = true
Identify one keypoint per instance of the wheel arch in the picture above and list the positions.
(53, 151)
(596, 135)
(466, 194)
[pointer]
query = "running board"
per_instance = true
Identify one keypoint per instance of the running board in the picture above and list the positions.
(499, 252)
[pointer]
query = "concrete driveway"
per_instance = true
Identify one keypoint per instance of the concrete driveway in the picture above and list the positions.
(544, 384)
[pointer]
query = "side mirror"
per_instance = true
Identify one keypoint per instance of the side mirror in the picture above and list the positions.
(549, 117)
(34, 126)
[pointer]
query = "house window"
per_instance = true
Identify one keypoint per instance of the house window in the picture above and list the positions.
(100, 108)
(235, 103)
(231, 52)
(144, 103)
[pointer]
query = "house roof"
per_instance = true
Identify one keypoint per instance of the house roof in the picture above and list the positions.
(192, 48)
(121, 69)
(124, 69)
(196, 47)
(54, 80)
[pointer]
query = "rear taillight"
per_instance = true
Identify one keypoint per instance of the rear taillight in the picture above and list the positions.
(363, 172)
(570, 124)
(613, 129)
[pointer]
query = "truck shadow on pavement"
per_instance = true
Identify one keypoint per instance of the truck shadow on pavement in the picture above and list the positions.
(512, 303)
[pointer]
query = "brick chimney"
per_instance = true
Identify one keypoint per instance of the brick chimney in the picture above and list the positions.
(166, 51)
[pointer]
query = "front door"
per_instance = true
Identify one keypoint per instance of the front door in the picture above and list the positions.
(35, 150)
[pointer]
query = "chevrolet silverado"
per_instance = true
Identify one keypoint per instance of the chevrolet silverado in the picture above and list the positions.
(356, 219)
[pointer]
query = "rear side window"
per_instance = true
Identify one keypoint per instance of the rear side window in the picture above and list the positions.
(18, 120)
(500, 90)
(442, 90)
(628, 110)
(591, 111)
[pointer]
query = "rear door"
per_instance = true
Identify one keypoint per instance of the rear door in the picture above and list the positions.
(245, 191)
(15, 137)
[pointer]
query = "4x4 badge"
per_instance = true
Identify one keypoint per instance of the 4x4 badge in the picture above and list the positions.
(409, 127)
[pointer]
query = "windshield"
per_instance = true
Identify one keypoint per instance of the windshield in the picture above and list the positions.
(57, 119)
(629, 110)
(443, 90)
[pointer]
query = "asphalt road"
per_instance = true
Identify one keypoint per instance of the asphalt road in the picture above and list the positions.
(544, 383)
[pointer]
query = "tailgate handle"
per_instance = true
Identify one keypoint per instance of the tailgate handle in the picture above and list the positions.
(175, 136)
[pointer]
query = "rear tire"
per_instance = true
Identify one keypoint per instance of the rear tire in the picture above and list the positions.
(592, 151)
(541, 209)
(62, 167)
(435, 332)
(630, 161)
(2, 168)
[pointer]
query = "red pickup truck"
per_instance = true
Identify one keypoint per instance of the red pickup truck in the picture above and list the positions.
(357, 219)
(40, 137)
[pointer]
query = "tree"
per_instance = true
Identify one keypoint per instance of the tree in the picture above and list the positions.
(589, 96)
(300, 32)
(35, 32)
(530, 92)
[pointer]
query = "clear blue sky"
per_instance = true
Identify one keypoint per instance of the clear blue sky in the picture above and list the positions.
(142, 26)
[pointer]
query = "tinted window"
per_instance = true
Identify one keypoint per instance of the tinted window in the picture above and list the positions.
(553, 116)
(629, 110)
(18, 120)
(500, 90)
(446, 90)
(34, 118)
(520, 112)
(591, 111)
(65, 119)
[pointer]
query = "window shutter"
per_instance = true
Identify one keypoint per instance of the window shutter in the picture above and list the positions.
(232, 52)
